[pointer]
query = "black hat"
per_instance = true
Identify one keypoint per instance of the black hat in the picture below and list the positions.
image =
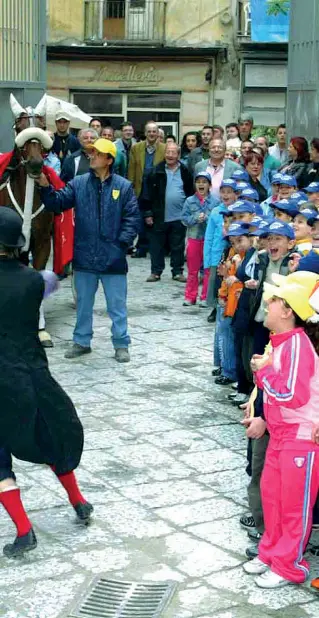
(11, 228)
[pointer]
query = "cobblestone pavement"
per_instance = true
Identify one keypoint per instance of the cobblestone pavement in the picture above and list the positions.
(163, 464)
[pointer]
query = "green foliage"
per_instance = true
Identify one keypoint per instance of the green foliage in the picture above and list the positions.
(261, 130)
(278, 7)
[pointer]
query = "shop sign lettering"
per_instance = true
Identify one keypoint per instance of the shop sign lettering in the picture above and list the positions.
(132, 75)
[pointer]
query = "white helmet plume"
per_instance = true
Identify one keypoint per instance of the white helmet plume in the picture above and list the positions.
(16, 108)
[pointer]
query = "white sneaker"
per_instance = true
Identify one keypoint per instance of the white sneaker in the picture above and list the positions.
(203, 304)
(255, 567)
(234, 386)
(269, 579)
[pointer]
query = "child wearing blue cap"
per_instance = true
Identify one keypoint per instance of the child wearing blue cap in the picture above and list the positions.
(303, 223)
(285, 210)
(267, 204)
(215, 243)
(287, 186)
(313, 193)
(195, 214)
(243, 211)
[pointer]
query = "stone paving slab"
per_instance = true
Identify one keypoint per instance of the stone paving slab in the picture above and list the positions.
(163, 463)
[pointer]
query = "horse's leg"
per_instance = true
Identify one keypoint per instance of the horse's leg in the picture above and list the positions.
(40, 249)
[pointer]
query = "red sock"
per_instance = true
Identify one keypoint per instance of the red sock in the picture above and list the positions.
(70, 485)
(11, 501)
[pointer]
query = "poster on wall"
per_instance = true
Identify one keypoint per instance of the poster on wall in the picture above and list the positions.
(268, 28)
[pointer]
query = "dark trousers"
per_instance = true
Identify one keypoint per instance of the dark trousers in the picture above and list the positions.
(174, 232)
(261, 338)
(143, 243)
(259, 447)
(244, 385)
(6, 465)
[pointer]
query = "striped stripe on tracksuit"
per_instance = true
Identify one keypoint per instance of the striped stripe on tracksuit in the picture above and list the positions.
(290, 479)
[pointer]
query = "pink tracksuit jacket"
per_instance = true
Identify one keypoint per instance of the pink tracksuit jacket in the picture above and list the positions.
(290, 480)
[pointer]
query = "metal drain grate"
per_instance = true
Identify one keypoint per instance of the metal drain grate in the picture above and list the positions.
(119, 599)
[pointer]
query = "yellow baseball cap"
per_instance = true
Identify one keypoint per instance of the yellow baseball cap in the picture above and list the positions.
(296, 289)
(105, 146)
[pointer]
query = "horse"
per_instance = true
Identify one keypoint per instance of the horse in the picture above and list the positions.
(19, 190)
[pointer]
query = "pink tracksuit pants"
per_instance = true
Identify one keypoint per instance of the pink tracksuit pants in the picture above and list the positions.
(289, 489)
(194, 256)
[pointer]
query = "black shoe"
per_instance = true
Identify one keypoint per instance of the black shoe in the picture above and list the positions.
(232, 396)
(21, 545)
(212, 316)
(216, 372)
(77, 350)
(247, 522)
(254, 535)
(252, 552)
(139, 254)
(83, 511)
(223, 381)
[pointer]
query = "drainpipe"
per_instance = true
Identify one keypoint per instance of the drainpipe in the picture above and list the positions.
(211, 91)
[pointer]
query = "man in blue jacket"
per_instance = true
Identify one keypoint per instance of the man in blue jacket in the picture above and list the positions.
(107, 220)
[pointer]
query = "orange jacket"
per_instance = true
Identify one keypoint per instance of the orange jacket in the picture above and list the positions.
(230, 294)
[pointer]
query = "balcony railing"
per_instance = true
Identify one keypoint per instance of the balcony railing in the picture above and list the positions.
(125, 21)
(244, 19)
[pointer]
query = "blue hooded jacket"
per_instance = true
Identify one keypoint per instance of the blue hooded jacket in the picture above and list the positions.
(107, 220)
(215, 242)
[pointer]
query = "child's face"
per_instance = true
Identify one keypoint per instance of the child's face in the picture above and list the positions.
(315, 231)
(285, 192)
(282, 216)
(244, 217)
(314, 198)
(202, 186)
(227, 195)
(262, 243)
(227, 222)
(242, 244)
(274, 189)
(301, 227)
(279, 246)
(275, 314)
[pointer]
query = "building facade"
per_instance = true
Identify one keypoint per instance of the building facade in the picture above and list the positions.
(168, 60)
(183, 63)
(22, 58)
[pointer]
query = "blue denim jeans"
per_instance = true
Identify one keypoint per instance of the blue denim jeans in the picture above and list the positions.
(217, 348)
(115, 292)
(226, 346)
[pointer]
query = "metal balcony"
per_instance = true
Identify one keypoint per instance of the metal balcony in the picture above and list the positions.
(244, 19)
(125, 22)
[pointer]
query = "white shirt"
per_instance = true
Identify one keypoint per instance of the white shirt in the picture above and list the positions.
(280, 155)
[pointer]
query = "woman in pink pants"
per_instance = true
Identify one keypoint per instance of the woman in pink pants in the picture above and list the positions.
(289, 377)
(196, 211)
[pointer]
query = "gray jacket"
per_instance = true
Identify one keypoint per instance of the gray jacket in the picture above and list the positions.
(230, 167)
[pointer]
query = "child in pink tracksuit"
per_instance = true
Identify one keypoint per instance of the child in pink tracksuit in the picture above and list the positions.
(289, 377)
(195, 213)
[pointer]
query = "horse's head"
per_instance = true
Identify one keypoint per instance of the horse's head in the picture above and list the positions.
(28, 116)
(31, 144)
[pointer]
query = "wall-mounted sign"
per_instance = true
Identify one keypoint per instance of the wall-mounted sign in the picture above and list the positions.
(133, 74)
(264, 27)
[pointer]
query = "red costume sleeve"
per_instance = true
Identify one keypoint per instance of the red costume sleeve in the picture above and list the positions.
(63, 228)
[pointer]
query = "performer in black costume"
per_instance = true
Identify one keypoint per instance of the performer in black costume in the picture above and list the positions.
(38, 422)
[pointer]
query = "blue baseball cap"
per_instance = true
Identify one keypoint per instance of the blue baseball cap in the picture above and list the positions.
(309, 214)
(238, 229)
(299, 202)
(289, 181)
(279, 228)
(204, 175)
(276, 178)
(313, 187)
(229, 182)
(288, 206)
(250, 193)
(299, 195)
(310, 262)
(262, 229)
(241, 185)
(242, 206)
(240, 175)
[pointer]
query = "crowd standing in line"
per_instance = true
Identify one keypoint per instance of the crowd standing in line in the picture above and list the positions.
(246, 212)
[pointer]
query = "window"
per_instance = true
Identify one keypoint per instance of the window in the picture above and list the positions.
(114, 9)
(95, 103)
(152, 101)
